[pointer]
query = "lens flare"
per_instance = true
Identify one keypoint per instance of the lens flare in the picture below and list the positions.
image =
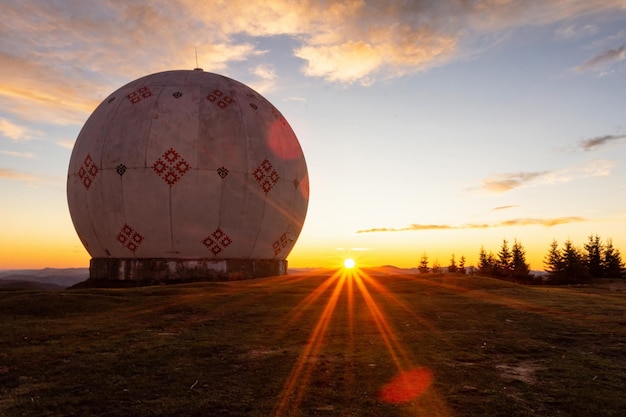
(349, 263)
(407, 386)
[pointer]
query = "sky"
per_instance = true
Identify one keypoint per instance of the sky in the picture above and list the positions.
(429, 127)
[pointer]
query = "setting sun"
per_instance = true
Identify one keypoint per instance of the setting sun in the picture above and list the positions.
(349, 263)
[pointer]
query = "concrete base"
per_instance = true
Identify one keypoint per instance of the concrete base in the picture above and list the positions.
(167, 271)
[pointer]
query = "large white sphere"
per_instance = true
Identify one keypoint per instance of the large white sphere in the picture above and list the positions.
(187, 165)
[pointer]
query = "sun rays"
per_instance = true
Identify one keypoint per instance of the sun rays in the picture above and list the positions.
(354, 289)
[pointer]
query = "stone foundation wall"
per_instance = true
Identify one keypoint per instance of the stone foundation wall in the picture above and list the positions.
(155, 271)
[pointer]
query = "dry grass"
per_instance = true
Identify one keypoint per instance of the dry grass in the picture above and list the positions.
(306, 345)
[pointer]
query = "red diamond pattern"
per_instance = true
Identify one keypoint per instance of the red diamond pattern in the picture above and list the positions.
(280, 244)
(88, 171)
(217, 241)
(220, 99)
(129, 238)
(171, 167)
(136, 96)
(266, 176)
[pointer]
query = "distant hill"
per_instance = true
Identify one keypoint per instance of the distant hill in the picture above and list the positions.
(390, 269)
(28, 285)
(46, 278)
(60, 278)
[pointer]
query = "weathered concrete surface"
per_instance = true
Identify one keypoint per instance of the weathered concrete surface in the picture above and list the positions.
(156, 271)
(187, 164)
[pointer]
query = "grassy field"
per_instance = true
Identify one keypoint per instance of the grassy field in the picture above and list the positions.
(323, 343)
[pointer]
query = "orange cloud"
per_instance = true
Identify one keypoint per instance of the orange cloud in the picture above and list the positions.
(15, 132)
(502, 208)
(505, 182)
(59, 68)
(513, 222)
(501, 183)
(36, 92)
(16, 175)
(542, 222)
(348, 62)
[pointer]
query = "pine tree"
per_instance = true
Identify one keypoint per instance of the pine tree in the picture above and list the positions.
(452, 267)
(462, 265)
(520, 268)
(423, 267)
(436, 268)
(612, 261)
(574, 269)
(553, 264)
(504, 265)
(593, 257)
(486, 262)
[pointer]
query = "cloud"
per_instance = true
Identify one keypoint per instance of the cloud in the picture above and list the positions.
(32, 180)
(11, 174)
(59, 59)
(411, 227)
(38, 92)
(599, 141)
(574, 31)
(542, 222)
(366, 41)
(502, 208)
(15, 132)
(388, 53)
(348, 62)
(549, 222)
(505, 182)
(501, 183)
(266, 72)
(66, 143)
(266, 81)
(587, 169)
(600, 61)
(57, 64)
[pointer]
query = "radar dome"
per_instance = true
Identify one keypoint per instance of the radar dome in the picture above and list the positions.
(185, 175)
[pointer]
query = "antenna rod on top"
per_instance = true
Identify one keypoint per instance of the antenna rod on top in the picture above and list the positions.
(197, 68)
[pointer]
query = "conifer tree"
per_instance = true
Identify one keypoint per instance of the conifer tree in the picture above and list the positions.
(423, 267)
(436, 268)
(612, 262)
(593, 257)
(462, 265)
(520, 268)
(504, 260)
(452, 267)
(553, 263)
(573, 264)
(486, 262)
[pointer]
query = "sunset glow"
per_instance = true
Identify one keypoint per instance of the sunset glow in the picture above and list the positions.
(349, 263)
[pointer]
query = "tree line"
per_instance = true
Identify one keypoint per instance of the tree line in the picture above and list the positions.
(566, 265)
(595, 259)
(508, 263)
(437, 268)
